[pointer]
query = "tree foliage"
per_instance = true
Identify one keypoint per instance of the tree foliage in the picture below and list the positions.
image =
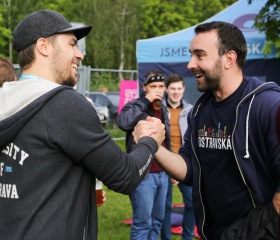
(159, 17)
(118, 24)
(5, 34)
(112, 41)
(268, 21)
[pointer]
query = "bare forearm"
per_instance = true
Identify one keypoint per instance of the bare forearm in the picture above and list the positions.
(172, 163)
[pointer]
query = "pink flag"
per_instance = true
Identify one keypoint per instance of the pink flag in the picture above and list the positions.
(128, 92)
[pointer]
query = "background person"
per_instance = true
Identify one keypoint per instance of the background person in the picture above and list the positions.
(231, 154)
(178, 110)
(7, 72)
(52, 144)
(148, 200)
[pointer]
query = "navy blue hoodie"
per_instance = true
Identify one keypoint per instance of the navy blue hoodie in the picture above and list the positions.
(255, 146)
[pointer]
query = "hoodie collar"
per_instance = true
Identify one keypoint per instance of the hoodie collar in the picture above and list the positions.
(16, 95)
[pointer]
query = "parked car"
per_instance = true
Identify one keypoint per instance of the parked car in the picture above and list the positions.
(114, 98)
(103, 99)
(102, 112)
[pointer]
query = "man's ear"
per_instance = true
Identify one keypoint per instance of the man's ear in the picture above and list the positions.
(42, 46)
(230, 59)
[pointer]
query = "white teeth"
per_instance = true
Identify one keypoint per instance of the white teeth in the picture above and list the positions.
(75, 66)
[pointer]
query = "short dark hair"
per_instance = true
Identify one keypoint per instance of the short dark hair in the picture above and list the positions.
(174, 77)
(27, 55)
(230, 38)
(7, 72)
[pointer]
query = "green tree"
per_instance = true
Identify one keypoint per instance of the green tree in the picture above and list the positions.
(5, 34)
(268, 22)
(6, 28)
(11, 13)
(117, 24)
(159, 17)
(112, 41)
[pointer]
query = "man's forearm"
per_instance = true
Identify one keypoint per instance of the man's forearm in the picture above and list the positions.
(172, 163)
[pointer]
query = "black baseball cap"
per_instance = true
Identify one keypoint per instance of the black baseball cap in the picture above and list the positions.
(43, 24)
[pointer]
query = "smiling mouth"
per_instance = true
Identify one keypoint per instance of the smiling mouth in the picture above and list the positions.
(75, 66)
(198, 75)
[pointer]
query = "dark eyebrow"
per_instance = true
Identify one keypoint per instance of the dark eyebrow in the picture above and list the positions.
(197, 51)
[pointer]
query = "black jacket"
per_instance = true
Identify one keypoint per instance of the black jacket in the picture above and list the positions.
(137, 110)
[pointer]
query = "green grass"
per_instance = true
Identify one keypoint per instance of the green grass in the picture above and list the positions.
(118, 207)
(117, 134)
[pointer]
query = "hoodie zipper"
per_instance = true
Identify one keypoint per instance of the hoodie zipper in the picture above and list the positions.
(199, 184)
(232, 138)
(199, 179)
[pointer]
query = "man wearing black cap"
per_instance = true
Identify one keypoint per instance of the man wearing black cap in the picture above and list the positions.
(52, 144)
(43, 28)
(148, 200)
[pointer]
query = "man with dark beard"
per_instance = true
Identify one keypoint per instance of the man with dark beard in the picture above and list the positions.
(231, 154)
(52, 144)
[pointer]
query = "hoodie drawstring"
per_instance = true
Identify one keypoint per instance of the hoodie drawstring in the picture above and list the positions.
(247, 129)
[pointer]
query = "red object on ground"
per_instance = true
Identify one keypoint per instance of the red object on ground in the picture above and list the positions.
(196, 233)
(128, 221)
(178, 230)
(178, 205)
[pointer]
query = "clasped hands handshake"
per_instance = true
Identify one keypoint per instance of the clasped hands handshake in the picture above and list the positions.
(151, 127)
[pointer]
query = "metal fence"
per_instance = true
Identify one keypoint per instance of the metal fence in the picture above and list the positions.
(86, 72)
(85, 76)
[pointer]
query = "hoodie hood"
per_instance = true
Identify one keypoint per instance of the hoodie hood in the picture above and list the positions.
(16, 95)
(19, 101)
(254, 88)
